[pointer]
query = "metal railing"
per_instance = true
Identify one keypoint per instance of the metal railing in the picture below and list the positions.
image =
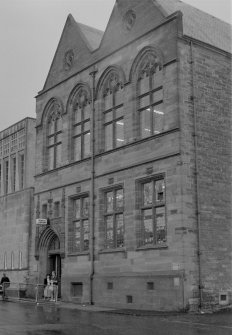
(28, 292)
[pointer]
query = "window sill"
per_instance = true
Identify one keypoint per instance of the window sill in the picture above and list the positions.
(110, 251)
(149, 247)
(80, 253)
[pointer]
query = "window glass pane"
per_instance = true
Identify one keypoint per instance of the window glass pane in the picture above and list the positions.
(86, 145)
(144, 85)
(148, 226)
(118, 97)
(51, 140)
(86, 234)
(77, 115)
(159, 191)
(108, 101)
(108, 116)
(77, 235)
(119, 112)
(119, 200)
(145, 122)
(119, 133)
(158, 119)
(58, 137)
(87, 110)
(147, 194)
(51, 158)
(58, 155)
(119, 231)
(144, 102)
(85, 207)
(59, 124)
(157, 96)
(77, 148)
(160, 225)
(109, 202)
(109, 232)
(108, 137)
(86, 126)
(51, 127)
(77, 130)
(77, 209)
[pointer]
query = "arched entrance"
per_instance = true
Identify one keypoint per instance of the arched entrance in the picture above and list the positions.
(49, 256)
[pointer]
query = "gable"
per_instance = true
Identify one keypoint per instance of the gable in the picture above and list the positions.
(129, 20)
(73, 51)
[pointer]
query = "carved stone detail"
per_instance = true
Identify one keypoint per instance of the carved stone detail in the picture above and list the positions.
(56, 110)
(149, 65)
(113, 83)
(68, 59)
(82, 98)
(129, 19)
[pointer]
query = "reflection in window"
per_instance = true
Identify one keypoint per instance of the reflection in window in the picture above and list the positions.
(80, 238)
(114, 222)
(113, 113)
(54, 140)
(153, 212)
(150, 98)
(81, 125)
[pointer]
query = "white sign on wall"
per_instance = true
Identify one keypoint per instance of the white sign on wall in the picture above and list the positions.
(41, 221)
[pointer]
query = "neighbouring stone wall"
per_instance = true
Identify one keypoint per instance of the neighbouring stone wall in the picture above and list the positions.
(205, 92)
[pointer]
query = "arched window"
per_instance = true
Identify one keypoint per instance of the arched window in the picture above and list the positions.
(81, 104)
(150, 96)
(20, 260)
(12, 260)
(113, 117)
(5, 261)
(54, 135)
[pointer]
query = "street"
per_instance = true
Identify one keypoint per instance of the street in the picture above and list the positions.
(50, 319)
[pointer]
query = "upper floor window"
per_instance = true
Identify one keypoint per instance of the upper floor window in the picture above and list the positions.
(152, 209)
(13, 171)
(113, 218)
(56, 209)
(150, 96)
(54, 138)
(0, 178)
(21, 170)
(6, 163)
(81, 124)
(113, 112)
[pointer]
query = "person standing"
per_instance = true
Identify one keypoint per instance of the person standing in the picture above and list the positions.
(54, 286)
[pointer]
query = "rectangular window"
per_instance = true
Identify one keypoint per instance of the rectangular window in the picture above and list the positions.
(44, 211)
(56, 209)
(6, 176)
(13, 175)
(20, 259)
(113, 218)
(153, 212)
(80, 219)
(21, 171)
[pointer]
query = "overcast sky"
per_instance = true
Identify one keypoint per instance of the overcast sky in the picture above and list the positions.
(29, 34)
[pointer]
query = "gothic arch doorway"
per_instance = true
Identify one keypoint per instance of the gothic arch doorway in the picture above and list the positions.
(50, 256)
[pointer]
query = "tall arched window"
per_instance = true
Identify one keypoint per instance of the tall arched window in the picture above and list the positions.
(113, 112)
(150, 96)
(12, 260)
(5, 261)
(81, 124)
(54, 136)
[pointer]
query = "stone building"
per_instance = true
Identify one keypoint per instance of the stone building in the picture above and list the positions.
(133, 160)
(17, 152)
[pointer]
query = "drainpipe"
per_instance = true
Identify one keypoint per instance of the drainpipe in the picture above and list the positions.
(197, 179)
(92, 201)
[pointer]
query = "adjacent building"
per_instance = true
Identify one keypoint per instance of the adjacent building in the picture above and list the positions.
(132, 187)
(17, 164)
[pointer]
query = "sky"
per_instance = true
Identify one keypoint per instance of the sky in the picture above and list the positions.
(29, 34)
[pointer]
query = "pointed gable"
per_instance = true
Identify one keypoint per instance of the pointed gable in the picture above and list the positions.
(129, 20)
(74, 50)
